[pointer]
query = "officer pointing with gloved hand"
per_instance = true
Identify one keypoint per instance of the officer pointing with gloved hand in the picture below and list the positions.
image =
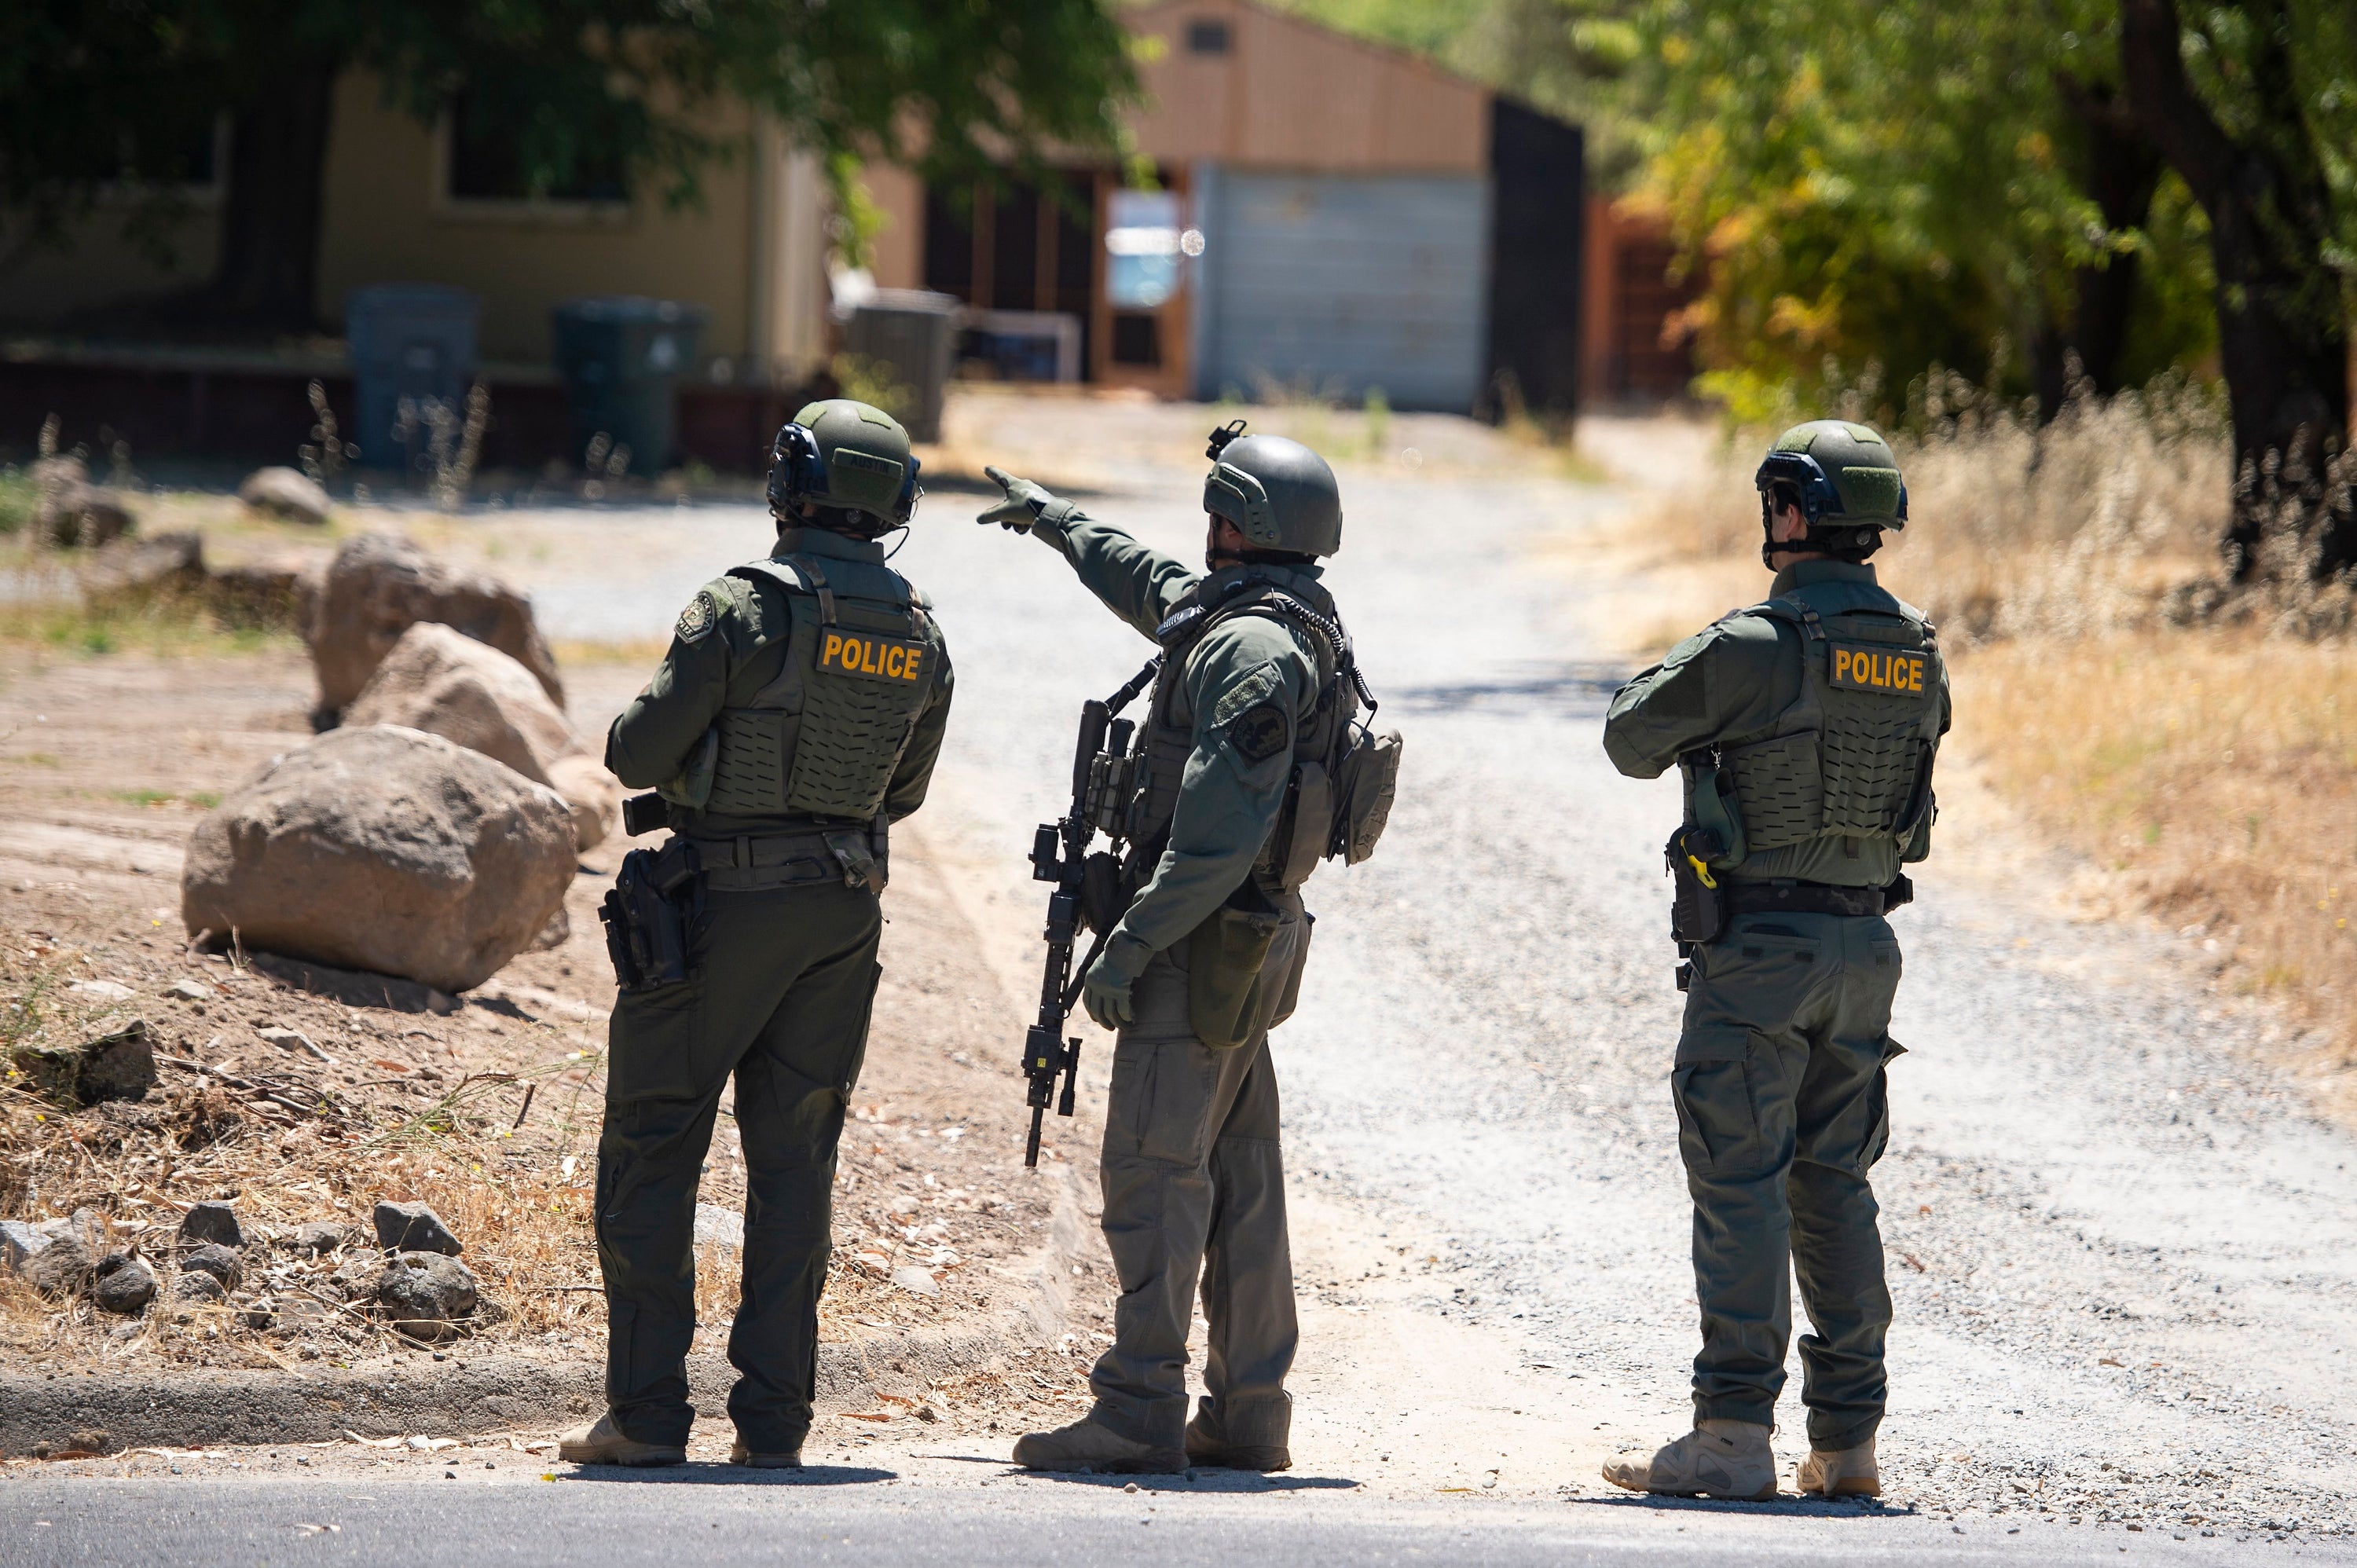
(1255, 694)
(796, 716)
(1804, 728)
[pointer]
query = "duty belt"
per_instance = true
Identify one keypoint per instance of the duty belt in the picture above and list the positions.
(1803, 899)
(752, 863)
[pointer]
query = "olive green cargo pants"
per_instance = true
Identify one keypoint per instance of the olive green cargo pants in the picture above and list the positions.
(1194, 1184)
(1781, 1111)
(779, 990)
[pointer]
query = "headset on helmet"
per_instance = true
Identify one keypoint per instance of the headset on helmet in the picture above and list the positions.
(798, 473)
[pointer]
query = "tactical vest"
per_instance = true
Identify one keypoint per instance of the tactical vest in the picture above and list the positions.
(1851, 757)
(824, 737)
(1302, 835)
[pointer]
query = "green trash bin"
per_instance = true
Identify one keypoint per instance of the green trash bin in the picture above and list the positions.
(621, 357)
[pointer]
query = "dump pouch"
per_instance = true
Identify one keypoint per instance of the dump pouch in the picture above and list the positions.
(647, 913)
(1697, 911)
(1224, 957)
(1366, 780)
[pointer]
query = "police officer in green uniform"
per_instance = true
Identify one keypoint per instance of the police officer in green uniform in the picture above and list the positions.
(1207, 956)
(1805, 728)
(796, 716)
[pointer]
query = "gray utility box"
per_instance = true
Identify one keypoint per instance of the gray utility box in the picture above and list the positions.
(621, 357)
(413, 340)
(909, 335)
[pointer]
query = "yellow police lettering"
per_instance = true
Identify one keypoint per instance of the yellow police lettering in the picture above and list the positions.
(834, 647)
(878, 658)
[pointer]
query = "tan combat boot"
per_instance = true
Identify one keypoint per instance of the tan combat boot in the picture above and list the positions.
(602, 1442)
(740, 1455)
(1842, 1473)
(1086, 1445)
(1209, 1451)
(1729, 1460)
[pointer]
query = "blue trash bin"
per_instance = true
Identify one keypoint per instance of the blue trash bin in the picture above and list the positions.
(407, 341)
(621, 357)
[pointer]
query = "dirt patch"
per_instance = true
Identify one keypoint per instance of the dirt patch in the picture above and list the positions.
(485, 1107)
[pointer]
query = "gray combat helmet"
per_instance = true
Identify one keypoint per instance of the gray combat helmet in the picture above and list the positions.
(1278, 493)
(1847, 481)
(846, 456)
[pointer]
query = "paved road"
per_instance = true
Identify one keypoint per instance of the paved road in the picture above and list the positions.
(866, 1516)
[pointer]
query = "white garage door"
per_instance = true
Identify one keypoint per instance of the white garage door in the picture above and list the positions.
(1339, 283)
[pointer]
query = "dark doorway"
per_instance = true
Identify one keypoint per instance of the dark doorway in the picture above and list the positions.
(1537, 164)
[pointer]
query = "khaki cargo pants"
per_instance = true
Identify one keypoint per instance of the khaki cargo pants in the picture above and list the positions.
(1194, 1186)
(1783, 1110)
(780, 989)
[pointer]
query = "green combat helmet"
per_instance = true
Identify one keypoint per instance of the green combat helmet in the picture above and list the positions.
(847, 456)
(1846, 481)
(1280, 495)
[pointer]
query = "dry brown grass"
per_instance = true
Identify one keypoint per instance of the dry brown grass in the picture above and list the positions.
(2205, 766)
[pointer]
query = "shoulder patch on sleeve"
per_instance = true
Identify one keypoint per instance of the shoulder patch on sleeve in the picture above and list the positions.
(1250, 691)
(1260, 732)
(697, 621)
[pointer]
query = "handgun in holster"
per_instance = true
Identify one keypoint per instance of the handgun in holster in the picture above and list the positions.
(647, 913)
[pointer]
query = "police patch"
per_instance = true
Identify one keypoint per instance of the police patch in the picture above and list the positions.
(697, 620)
(1259, 733)
(1894, 671)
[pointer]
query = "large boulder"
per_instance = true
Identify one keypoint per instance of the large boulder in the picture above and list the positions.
(386, 849)
(381, 584)
(446, 683)
(288, 493)
(71, 511)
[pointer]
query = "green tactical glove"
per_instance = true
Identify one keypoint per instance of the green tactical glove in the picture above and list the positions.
(1106, 990)
(1024, 503)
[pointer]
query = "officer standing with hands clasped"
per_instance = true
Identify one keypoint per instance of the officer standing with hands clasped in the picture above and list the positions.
(796, 716)
(1244, 774)
(1804, 728)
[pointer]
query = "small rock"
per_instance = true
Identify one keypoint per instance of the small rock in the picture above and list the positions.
(284, 492)
(126, 1283)
(102, 991)
(63, 1267)
(916, 1281)
(355, 1277)
(119, 1064)
(414, 1228)
(425, 1293)
(211, 1220)
(718, 1227)
(292, 1040)
(189, 991)
(258, 1313)
(320, 1237)
(90, 1440)
(218, 1261)
(198, 1286)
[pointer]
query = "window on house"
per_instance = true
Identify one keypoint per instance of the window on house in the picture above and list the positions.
(485, 161)
(1205, 36)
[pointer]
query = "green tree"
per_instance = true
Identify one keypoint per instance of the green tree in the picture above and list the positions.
(1912, 183)
(95, 91)
(2256, 106)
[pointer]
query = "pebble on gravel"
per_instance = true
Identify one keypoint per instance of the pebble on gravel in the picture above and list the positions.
(211, 1220)
(320, 1237)
(189, 991)
(197, 1285)
(425, 1293)
(221, 1262)
(126, 1283)
(917, 1281)
(414, 1228)
(292, 1040)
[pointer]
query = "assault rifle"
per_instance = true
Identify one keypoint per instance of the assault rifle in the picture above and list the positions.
(1086, 893)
